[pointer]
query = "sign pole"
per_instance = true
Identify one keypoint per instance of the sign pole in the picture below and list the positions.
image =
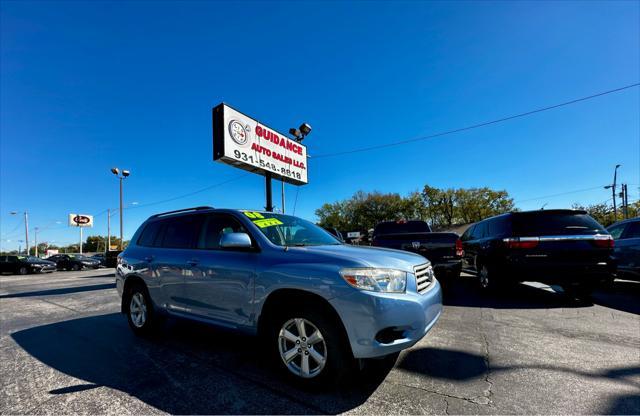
(269, 206)
(80, 240)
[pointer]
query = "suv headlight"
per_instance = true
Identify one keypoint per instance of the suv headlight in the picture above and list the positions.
(376, 280)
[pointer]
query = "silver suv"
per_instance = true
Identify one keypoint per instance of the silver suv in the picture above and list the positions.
(318, 302)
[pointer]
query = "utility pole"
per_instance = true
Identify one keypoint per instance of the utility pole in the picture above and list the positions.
(283, 196)
(35, 232)
(123, 176)
(26, 230)
(108, 247)
(615, 177)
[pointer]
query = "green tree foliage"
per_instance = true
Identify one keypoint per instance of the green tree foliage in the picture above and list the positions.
(603, 213)
(439, 207)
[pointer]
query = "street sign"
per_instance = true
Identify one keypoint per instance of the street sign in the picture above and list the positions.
(243, 142)
(80, 220)
(353, 234)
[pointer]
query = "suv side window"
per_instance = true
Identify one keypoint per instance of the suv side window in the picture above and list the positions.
(215, 226)
(633, 230)
(617, 231)
(149, 236)
(181, 232)
(467, 235)
(480, 230)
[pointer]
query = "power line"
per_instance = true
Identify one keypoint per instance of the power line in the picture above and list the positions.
(559, 194)
(474, 126)
(187, 194)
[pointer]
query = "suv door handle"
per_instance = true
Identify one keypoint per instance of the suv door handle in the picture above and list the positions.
(193, 262)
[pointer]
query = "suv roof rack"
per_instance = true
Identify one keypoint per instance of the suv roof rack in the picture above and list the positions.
(162, 214)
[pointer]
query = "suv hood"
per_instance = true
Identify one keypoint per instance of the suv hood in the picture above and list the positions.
(358, 256)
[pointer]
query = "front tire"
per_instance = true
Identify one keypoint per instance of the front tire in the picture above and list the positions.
(23, 270)
(309, 347)
(76, 267)
(139, 310)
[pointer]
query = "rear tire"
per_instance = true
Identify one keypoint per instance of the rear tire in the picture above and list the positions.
(23, 270)
(76, 267)
(308, 347)
(139, 309)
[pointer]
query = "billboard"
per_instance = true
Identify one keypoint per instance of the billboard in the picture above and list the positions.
(243, 142)
(80, 220)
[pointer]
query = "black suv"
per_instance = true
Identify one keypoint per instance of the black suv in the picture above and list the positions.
(564, 247)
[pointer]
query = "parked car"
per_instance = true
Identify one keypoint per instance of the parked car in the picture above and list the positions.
(73, 262)
(564, 247)
(627, 248)
(25, 265)
(111, 258)
(100, 257)
(318, 303)
(443, 250)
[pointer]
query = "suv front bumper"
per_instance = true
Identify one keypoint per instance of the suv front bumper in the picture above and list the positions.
(407, 316)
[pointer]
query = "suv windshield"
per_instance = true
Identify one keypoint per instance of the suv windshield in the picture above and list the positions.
(285, 230)
(554, 223)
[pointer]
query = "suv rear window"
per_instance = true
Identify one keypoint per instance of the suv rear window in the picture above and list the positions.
(407, 227)
(554, 223)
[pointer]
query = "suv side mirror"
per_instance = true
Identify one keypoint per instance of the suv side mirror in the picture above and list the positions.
(235, 240)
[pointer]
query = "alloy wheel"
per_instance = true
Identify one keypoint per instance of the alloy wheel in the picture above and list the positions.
(23, 270)
(138, 310)
(302, 348)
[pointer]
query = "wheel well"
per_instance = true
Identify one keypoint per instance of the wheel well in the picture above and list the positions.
(129, 282)
(290, 298)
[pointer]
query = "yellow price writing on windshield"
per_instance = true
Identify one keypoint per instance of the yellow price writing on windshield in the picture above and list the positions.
(253, 215)
(267, 222)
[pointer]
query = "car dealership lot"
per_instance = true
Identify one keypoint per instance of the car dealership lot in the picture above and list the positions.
(65, 348)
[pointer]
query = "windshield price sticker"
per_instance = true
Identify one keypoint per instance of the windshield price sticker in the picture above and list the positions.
(267, 222)
(255, 215)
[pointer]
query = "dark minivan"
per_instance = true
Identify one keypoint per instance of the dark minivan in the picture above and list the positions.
(564, 247)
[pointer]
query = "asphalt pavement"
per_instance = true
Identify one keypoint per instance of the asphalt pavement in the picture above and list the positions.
(65, 348)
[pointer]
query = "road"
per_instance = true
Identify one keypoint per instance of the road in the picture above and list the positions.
(64, 348)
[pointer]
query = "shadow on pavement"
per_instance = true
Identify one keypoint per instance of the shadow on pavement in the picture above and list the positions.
(622, 295)
(60, 291)
(188, 368)
(624, 405)
(444, 364)
(465, 291)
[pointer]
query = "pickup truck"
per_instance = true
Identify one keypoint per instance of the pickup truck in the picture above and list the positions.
(443, 250)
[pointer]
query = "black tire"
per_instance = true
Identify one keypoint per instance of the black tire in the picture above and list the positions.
(489, 279)
(150, 321)
(339, 362)
(23, 270)
(76, 267)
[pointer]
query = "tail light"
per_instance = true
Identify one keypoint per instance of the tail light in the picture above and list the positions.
(603, 241)
(459, 250)
(522, 242)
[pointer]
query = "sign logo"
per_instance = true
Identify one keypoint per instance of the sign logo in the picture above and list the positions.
(415, 245)
(81, 219)
(239, 133)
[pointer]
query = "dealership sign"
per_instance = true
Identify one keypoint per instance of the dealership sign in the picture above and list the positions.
(80, 220)
(243, 142)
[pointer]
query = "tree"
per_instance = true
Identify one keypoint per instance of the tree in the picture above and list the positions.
(603, 213)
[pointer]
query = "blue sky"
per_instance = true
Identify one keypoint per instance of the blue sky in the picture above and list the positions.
(86, 86)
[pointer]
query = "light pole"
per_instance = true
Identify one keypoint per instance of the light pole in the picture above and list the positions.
(26, 228)
(123, 176)
(299, 134)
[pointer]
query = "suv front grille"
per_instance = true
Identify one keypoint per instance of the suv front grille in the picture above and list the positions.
(424, 277)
